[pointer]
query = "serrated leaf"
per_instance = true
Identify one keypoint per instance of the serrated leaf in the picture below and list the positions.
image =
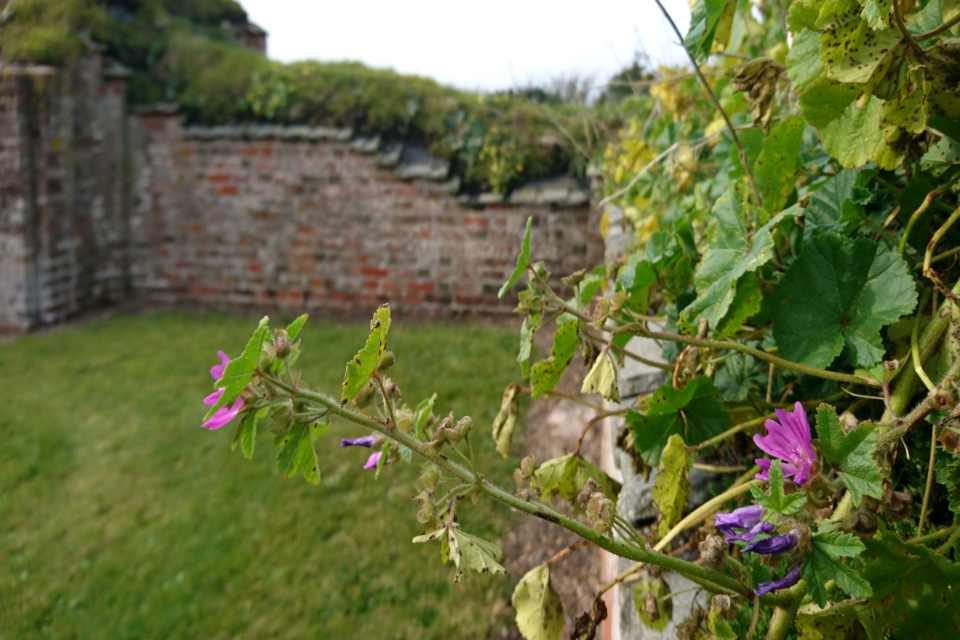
(364, 364)
(671, 487)
(246, 435)
(737, 375)
(471, 552)
(850, 454)
(705, 18)
(858, 136)
(776, 500)
(239, 371)
(834, 202)
(838, 295)
(776, 167)
(523, 261)
(664, 605)
(539, 609)
(422, 415)
(545, 374)
(526, 347)
(565, 476)
(915, 594)
(602, 379)
(694, 412)
(824, 563)
(951, 479)
(297, 451)
(731, 255)
(293, 329)
(850, 49)
(506, 420)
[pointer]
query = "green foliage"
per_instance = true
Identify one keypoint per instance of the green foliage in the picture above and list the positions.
(523, 261)
(851, 455)
(824, 562)
(660, 589)
(505, 421)
(545, 374)
(836, 297)
(239, 371)
(671, 487)
(776, 500)
(694, 412)
(602, 378)
(539, 609)
(565, 476)
(363, 365)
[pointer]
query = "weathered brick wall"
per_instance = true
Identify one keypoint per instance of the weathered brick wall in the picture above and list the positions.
(62, 209)
(314, 224)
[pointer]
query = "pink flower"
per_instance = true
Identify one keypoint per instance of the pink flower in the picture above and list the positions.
(789, 440)
(223, 415)
(373, 460)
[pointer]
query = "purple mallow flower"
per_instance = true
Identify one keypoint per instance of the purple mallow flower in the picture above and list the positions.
(789, 440)
(365, 441)
(774, 545)
(789, 579)
(224, 414)
(746, 518)
(373, 460)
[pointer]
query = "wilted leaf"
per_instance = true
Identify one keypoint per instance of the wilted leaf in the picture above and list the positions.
(671, 486)
(539, 609)
(565, 476)
(506, 420)
(602, 379)
(758, 79)
(660, 589)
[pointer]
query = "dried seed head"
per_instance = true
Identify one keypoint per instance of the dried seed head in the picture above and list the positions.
(528, 465)
(589, 488)
(650, 606)
(711, 551)
(600, 513)
(281, 343)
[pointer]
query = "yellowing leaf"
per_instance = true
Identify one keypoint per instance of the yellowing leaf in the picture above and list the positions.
(671, 486)
(539, 609)
(602, 379)
(362, 366)
(506, 419)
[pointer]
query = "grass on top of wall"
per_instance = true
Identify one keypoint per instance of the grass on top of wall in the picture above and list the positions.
(121, 518)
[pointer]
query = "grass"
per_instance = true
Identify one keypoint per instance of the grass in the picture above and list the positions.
(121, 518)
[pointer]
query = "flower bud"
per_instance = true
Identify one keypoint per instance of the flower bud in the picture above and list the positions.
(281, 343)
(387, 360)
(366, 393)
(650, 606)
(944, 399)
(541, 272)
(392, 389)
(600, 513)
(528, 465)
(590, 487)
(518, 477)
(267, 357)
(575, 278)
(461, 429)
(820, 493)
(711, 551)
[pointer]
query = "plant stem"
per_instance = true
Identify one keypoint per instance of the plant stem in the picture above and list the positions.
(926, 492)
(570, 548)
(930, 537)
(895, 4)
(927, 256)
(783, 617)
(915, 348)
(715, 469)
(386, 399)
(946, 25)
(701, 513)
(716, 102)
(710, 579)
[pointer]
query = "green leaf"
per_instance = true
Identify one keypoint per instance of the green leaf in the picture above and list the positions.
(694, 412)
(850, 49)
(777, 500)
(506, 420)
(946, 151)
(422, 416)
(731, 255)
(838, 294)
(471, 552)
(737, 375)
(565, 476)
(246, 434)
(876, 13)
(239, 371)
(364, 364)
(636, 277)
(834, 203)
(523, 261)
(671, 487)
(602, 379)
(526, 346)
(775, 169)
(857, 136)
(824, 563)
(821, 98)
(950, 477)
(293, 329)
(837, 622)
(718, 627)
(664, 606)
(850, 454)
(915, 593)
(539, 609)
(545, 374)
(297, 451)
(706, 17)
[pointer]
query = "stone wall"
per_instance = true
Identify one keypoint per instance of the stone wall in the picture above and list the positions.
(311, 218)
(63, 243)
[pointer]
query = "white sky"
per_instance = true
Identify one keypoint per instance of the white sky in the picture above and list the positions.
(491, 45)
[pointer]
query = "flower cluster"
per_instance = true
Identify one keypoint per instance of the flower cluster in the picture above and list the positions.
(365, 441)
(223, 415)
(749, 521)
(789, 439)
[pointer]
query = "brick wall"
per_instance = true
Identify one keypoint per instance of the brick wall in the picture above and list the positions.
(315, 224)
(62, 208)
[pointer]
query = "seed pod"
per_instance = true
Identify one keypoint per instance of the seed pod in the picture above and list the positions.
(528, 465)
(574, 278)
(281, 344)
(896, 504)
(711, 551)
(387, 360)
(650, 606)
(600, 513)
(366, 393)
(655, 571)
(589, 488)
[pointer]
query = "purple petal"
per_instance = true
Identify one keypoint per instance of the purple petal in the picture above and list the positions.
(365, 441)
(742, 518)
(788, 580)
(373, 460)
(217, 371)
(775, 545)
(750, 534)
(764, 465)
(223, 415)
(212, 399)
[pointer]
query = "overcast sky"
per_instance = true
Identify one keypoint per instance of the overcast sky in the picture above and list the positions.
(489, 45)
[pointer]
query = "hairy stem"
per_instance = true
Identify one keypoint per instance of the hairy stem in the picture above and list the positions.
(926, 492)
(784, 616)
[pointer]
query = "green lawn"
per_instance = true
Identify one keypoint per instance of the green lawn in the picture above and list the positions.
(121, 518)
